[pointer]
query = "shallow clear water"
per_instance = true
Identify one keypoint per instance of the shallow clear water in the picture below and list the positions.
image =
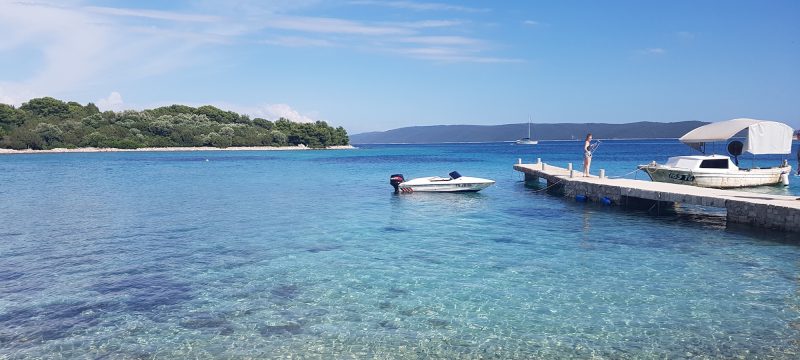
(281, 254)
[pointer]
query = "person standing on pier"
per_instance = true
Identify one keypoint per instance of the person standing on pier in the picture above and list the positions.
(587, 154)
(797, 135)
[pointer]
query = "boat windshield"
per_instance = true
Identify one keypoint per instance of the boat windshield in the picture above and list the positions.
(714, 164)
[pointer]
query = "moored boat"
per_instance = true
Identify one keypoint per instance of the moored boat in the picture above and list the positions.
(454, 183)
(527, 140)
(720, 171)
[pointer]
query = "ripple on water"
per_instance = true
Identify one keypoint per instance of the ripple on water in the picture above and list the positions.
(146, 293)
(8, 275)
(388, 159)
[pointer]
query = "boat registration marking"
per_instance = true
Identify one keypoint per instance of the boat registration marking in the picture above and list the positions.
(681, 177)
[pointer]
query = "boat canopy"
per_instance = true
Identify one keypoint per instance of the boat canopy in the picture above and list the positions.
(763, 137)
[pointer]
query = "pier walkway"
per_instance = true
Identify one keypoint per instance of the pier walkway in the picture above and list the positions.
(762, 210)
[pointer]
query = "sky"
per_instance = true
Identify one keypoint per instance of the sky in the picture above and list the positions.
(372, 65)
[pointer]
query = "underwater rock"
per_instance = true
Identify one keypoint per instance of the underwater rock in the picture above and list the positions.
(285, 291)
(275, 330)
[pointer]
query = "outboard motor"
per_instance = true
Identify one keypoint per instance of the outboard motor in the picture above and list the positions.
(395, 180)
(454, 175)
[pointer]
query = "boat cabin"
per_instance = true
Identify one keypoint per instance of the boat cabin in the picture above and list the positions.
(705, 162)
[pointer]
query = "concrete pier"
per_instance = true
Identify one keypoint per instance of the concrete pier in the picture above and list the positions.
(767, 211)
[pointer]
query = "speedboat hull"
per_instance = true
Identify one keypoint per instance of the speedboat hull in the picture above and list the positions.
(438, 184)
(729, 178)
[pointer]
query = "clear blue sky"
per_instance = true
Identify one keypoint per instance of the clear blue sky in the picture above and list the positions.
(376, 65)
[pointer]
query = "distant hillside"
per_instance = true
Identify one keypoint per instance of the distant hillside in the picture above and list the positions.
(509, 132)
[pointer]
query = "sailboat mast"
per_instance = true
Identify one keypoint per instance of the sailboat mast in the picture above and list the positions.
(529, 126)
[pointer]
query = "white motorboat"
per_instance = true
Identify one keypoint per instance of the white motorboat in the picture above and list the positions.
(720, 171)
(454, 183)
(527, 140)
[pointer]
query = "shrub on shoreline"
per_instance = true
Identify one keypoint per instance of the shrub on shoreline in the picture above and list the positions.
(48, 123)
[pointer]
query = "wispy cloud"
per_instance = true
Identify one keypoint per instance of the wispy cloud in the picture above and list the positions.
(96, 47)
(424, 24)
(395, 39)
(652, 51)
(407, 39)
(194, 37)
(276, 111)
(298, 41)
(152, 14)
(83, 47)
(332, 26)
(418, 6)
(112, 102)
(441, 40)
(530, 23)
(15, 95)
(67, 39)
(270, 112)
(450, 55)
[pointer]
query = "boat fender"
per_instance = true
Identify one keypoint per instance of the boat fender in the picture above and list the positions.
(581, 198)
(395, 181)
(606, 201)
(785, 179)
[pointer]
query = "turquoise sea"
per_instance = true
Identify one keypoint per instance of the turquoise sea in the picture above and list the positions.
(309, 254)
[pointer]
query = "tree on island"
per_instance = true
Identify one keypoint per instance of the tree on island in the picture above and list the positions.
(47, 123)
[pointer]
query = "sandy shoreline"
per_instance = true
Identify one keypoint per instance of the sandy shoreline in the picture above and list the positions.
(173, 149)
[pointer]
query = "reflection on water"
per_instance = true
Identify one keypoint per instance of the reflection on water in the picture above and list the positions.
(447, 203)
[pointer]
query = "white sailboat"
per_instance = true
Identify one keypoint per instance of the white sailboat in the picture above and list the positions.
(719, 171)
(527, 140)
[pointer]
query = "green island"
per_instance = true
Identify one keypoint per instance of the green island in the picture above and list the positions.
(48, 123)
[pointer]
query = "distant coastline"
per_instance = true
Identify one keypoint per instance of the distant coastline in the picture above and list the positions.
(511, 132)
(172, 149)
(512, 142)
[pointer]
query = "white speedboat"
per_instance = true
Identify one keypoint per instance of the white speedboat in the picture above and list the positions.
(527, 140)
(454, 183)
(720, 171)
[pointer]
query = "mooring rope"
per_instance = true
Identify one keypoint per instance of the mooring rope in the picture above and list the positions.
(549, 186)
(622, 176)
